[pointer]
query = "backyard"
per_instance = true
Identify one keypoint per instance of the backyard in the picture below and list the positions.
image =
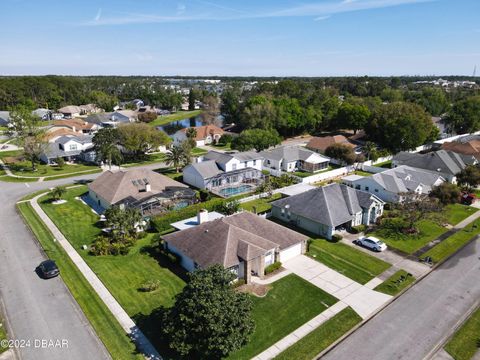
(290, 303)
(260, 205)
(180, 115)
(348, 261)
(428, 229)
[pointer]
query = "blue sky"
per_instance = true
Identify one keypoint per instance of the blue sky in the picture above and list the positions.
(243, 37)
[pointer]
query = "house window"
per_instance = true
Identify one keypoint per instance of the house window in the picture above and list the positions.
(357, 187)
(73, 147)
(366, 188)
(254, 162)
(196, 266)
(376, 190)
(282, 212)
(234, 166)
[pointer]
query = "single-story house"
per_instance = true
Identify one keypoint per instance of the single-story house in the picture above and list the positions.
(245, 243)
(320, 144)
(207, 134)
(327, 209)
(112, 119)
(225, 174)
(4, 118)
(70, 111)
(143, 189)
(445, 163)
(70, 148)
(294, 158)
(391, 185)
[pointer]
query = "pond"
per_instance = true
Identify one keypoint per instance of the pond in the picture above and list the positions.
(174, 126)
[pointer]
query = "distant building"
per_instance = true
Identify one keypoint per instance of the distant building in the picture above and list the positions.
(207, 134)
(320, 144)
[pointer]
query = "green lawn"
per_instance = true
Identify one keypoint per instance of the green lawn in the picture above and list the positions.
(171, 173)
(466, 340)
(429, 230)
(18, 180)
(3, 336)
(180, 115)
(451, 244)
(24, 168)
(290, 303)
(198, 151)
(391, 286)
(362, 173)
(260, 205)
(122, 275)
(149, 159)
(106, 326)
(322, 337)
(10, 153)
(348, 261)
(385, 164)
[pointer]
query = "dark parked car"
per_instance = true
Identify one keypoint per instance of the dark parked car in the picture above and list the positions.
(48, 269)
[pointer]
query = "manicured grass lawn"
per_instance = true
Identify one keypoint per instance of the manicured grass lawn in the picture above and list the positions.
(18, 180)
(122, 275)
(322, 337)
(3, 336)
(385, 164)
(466, 340)
(171, 173)
(391, 287)
(453, 243)
(411, 243)
(24, 168)
(348, 261)
(198, 151)
(260, 205)
(455, 213)
(289, 304)
(180, 115)
(362, 173)
(307, 174)
(106, 326)
(149, 159)
(429, 230)
(10, 153)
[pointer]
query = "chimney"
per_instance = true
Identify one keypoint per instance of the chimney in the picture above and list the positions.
(148, 187)
(202, 216)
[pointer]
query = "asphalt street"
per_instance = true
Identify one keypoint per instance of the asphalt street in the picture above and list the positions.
(413, 325)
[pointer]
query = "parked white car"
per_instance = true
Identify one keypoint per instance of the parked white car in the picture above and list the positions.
(371, 243)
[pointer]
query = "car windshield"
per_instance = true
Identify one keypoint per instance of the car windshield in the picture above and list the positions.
(49, 266)
(379, 242)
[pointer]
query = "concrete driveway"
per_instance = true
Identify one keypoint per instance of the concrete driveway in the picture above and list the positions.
(360, 297)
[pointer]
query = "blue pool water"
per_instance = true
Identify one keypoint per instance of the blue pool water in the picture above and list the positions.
(235, 190)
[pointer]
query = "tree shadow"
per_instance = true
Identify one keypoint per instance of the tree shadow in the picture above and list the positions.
(154, 251)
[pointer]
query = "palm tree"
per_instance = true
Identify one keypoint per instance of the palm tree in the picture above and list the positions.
(58, 192)
(370, 148)
(175, 157)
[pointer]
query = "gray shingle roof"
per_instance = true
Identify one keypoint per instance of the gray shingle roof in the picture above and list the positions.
(206, 169)
(80, 139)
(290, 153)
(222, 158)
(441, 161)
(227, 241)
(4, 117)
(53, 151)
(331, 205)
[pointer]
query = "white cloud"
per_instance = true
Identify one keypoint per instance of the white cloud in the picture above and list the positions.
(99, 15)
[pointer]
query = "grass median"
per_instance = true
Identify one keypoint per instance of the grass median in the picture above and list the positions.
(106, 326)
(396, 283)
(466, 341)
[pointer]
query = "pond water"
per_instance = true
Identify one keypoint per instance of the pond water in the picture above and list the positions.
(174, 126)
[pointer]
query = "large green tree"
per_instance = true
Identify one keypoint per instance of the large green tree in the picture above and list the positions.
(353, 116)
(341, 152)
(209, 320)
(401, 126)
(465, 115)
(257, 139)
(106, 143)
(140, 138)
(470, 176)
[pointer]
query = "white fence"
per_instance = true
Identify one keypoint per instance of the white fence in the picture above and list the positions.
(327, 175)
(372, 169)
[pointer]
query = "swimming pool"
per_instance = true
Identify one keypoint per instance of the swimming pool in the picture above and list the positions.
(235, 190)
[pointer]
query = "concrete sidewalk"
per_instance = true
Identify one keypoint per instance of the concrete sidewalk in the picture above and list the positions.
(143, 344)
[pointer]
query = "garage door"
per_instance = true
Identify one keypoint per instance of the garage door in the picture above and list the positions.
(290, 252)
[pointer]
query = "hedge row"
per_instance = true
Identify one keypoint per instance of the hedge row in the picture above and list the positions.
(272, 267)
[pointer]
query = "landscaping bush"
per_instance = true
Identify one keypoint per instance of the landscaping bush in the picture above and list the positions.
(204, 195)
(336, 237)
(147, 117)
(358, 229)
(309, 242)
(273, 267)
(238, 283)
(150, 285)
(225, 139)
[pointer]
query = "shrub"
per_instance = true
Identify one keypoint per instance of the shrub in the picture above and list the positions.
(225, 139)
(238, 283)
(273, 267)
(147, 117)
(309, 242)
(60, 162)
(358, 229)
(173, 258)
(204, 195)
(150, 285)
(336, 237)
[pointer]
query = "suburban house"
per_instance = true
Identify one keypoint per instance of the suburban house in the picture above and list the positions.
(245, 243)
(70, 148)
(294, 158)
(90, 109)
(327, 209)
(320, 144)
(112, 119)
(392, 184)
(445, 163)
(225, 174)
(75, 125)
(70, 111)
(470, 145)
(143, 189)
(43, 114)
(4, 118)
(207, 134)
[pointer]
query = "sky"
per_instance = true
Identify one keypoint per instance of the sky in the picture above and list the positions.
(240, 37)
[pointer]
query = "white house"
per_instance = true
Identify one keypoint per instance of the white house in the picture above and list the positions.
(294, 158)
(236, 161)
(70, 148)
(207, 134)
(390, 185)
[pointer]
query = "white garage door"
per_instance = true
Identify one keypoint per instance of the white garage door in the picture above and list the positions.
(290, 252)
